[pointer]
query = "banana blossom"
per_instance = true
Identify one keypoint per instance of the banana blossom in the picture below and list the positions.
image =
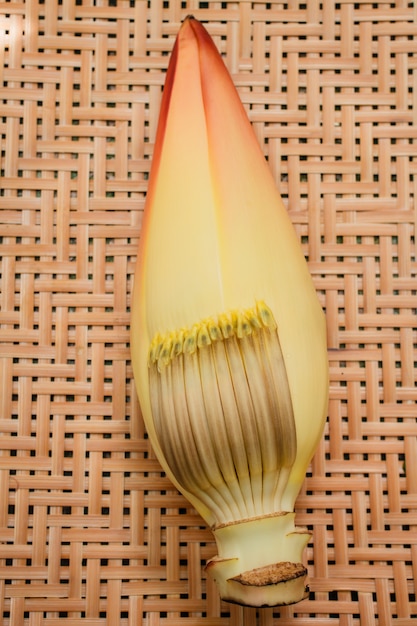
(228, 338)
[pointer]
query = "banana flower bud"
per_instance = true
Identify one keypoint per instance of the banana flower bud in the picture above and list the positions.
(228, 338)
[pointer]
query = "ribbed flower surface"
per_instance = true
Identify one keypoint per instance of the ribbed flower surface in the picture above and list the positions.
(222, 412)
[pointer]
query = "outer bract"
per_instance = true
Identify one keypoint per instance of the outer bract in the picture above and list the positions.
(228, 337)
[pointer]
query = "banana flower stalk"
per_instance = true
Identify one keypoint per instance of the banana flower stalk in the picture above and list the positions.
(228, 337)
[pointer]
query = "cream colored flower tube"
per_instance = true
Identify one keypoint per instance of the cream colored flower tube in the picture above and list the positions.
(228, 338)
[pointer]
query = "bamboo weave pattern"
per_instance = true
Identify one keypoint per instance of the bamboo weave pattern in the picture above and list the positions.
(91, 531)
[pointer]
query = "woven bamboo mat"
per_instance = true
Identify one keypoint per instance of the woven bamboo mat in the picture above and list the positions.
(91, 531)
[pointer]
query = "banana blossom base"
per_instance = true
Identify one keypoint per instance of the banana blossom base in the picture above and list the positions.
(244, 547)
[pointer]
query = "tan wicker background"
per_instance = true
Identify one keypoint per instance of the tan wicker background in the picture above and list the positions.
(91, 531)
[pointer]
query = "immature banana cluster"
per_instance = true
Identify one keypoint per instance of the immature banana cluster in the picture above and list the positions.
(228, 337)
(222, 412)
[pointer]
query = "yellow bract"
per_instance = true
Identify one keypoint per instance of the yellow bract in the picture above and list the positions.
(228, 336)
